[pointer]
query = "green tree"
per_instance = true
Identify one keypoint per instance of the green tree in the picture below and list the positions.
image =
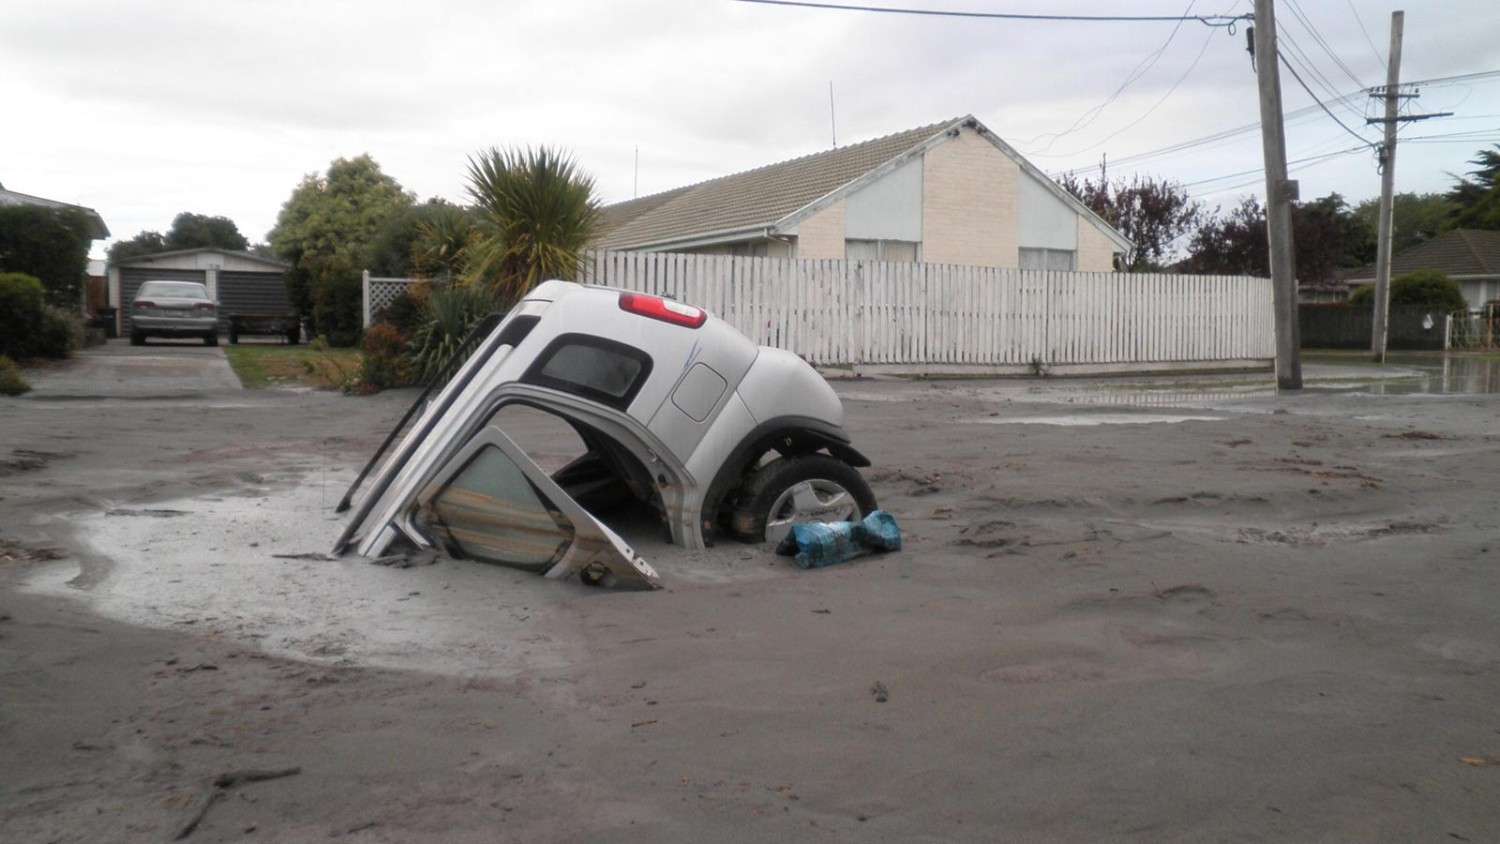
(1425, 288)
(188, 231)
(1327, 234)
(192, 231)
(326, 227)
(144, 243)
(402, 245)
(51, 244)
(1415, 218)
(537, 213)
(1477, 198)
(1153, 213)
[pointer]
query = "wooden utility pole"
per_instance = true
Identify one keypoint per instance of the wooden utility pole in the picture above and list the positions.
(1279, 195)
(1387, 191)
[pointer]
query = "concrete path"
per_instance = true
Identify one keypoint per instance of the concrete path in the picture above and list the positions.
(163, 369)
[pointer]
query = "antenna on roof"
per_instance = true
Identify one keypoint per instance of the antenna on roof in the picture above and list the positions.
(832, 126)
(635, 189)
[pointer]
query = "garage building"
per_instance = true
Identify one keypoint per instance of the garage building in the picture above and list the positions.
(240, 282)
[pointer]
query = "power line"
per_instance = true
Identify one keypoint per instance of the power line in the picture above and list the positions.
(1325, 108)
(1311, 69)
(1306, 21)
(1206, 20)
(1290, 117)
(1088, 117)
(1147, 113)
(1368, 40)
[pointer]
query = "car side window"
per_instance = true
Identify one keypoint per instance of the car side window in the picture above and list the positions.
(603, 370)
(489, 511)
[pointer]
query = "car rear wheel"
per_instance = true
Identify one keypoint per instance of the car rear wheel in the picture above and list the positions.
(806, 488)
(211, 339)
(137, 338)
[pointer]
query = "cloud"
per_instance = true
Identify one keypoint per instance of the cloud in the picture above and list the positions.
(146, 109)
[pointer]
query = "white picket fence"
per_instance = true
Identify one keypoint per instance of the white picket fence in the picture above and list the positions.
(939, 317)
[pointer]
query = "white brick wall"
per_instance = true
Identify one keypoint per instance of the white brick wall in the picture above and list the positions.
(1095, 251)
(969, 191)
(822, 234)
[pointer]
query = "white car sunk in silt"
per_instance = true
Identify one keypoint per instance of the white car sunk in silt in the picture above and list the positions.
(715, 433)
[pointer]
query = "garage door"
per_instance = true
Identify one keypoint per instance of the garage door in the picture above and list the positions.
(131, 279)
(251, 293)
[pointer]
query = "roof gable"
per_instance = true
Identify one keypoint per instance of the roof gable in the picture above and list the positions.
(188, 258)
(754, 198)
(780, 195)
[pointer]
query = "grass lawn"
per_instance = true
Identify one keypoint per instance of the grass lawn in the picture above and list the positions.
(260, 366)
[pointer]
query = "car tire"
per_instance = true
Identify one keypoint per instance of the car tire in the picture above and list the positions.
(767, 499)
(211, 339)
(137, 338)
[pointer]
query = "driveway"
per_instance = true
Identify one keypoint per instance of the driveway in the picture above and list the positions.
(164, 369)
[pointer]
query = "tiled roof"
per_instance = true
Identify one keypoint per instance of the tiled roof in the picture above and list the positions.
(10, 197)
(753, 198)
(1458, 252)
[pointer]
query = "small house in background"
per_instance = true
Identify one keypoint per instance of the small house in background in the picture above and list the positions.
(243, 284)
(90, 299)
(98, 231)
(948, 193)
(1471, 257)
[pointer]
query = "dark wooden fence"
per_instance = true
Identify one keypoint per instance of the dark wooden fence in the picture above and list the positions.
(1348, 327)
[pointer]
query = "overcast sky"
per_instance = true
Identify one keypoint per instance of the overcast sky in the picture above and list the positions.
(145, 109)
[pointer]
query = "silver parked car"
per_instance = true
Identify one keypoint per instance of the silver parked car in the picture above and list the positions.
(173, 309)
(678, 410)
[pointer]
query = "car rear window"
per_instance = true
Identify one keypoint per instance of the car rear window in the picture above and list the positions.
(173, 290)
(603, 370)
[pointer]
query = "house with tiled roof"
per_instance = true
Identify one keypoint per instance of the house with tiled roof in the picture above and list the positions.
(950, 192)
(1470, 257)
(97, 229)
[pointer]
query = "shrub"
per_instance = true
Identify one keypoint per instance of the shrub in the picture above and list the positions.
(49, 244)
(58, 334)
(21, 298)
(11, 382)
(1423, 288)
(451, 314)
(407, 311)
(337, 304)
(384, 363)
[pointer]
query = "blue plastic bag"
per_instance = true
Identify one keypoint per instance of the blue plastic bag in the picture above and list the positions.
(818, 544)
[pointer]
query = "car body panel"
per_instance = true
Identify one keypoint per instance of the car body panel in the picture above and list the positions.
(705, 388)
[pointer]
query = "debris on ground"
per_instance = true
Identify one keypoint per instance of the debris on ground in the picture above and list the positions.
(1481, 761)
(220, 786)
(147, 512)
(314, 556)
(14, 552)
(1415, 435)
(818, 544)
(27, 460)
(408, 560)
(881, 693)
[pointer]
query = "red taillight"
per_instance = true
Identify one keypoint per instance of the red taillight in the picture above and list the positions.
(204, 306)
(665, 310)
(142, 303)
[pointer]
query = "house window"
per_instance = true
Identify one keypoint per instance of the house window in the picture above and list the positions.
(1048, 259)
(881, 250)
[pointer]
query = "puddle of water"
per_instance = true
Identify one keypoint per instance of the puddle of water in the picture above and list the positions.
(1086, 419)
(198, 572)
(207, 565)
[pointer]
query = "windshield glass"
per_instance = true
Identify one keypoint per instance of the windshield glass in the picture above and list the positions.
(173, 290)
